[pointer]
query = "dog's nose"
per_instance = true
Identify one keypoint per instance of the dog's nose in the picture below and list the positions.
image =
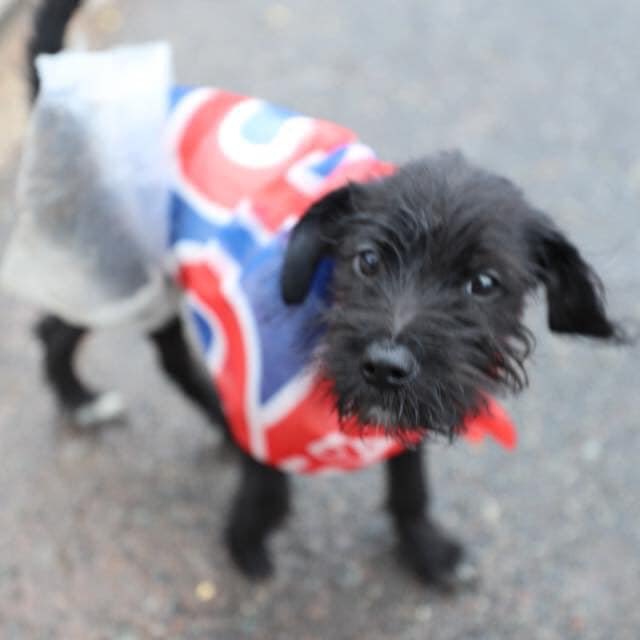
(386, 364)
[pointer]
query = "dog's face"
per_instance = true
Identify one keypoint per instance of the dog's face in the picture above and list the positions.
(431, 270)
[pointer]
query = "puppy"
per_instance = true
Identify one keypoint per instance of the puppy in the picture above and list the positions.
(430, 268)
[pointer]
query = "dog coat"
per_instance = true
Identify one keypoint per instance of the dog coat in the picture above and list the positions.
(240, 173)
(244, 172)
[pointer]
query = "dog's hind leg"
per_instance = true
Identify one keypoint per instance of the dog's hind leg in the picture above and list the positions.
(260, 505)
(84, 406)
(182, 368)
(428, 551)
(262, 499)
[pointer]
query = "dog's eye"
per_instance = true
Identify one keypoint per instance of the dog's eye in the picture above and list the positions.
(366, 263)
(482, 284)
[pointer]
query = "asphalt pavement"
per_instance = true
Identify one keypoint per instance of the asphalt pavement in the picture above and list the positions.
(117, 534)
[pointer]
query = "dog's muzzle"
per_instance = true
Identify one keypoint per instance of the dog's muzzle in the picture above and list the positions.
(388, 365)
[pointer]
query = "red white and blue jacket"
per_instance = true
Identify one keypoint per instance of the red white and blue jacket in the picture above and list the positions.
(244, 171)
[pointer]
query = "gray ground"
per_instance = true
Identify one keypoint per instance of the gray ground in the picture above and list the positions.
(117, 535)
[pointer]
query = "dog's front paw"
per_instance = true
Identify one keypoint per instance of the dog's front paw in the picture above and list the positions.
(435, 557)
(251, 558)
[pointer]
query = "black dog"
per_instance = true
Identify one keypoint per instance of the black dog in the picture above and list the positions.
(432, 269)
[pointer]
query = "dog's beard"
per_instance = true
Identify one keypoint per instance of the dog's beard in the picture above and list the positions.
(452, 384)
(405, 413)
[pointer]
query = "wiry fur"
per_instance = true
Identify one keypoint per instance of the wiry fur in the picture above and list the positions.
(437, 225)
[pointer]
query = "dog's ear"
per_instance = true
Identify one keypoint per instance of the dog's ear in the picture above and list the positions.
(575, 294)
(310, 240)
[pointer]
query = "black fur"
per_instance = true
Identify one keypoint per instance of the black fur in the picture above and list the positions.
(61, 340)
(435, 226)
(49, 24)
(176, 360)
(575, 294)
(259, 506)
(430, 553)
(432, 267)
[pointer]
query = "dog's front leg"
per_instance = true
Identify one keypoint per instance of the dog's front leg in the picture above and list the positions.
(260, 505)
(428, 551)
